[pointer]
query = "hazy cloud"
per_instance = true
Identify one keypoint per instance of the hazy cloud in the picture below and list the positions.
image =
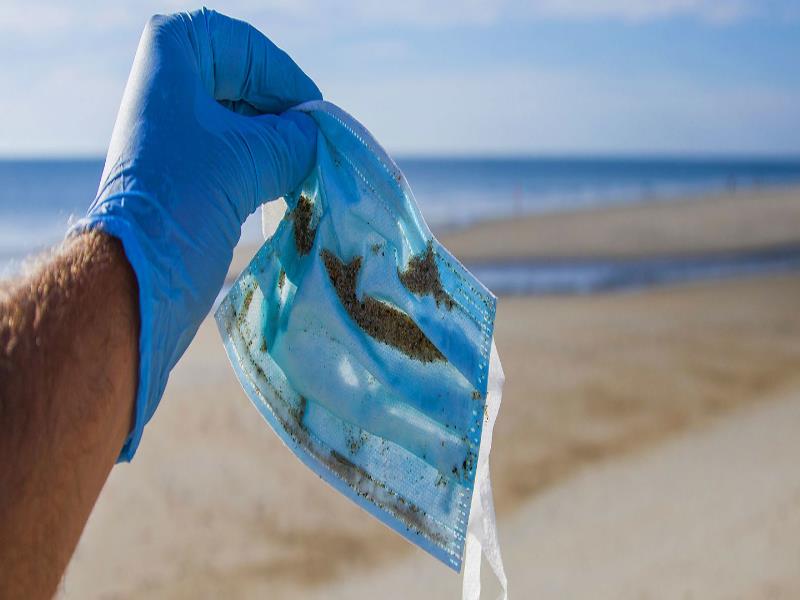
(22, 17)
(64, 67)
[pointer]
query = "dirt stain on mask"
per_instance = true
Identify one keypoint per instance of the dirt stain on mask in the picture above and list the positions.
(421, 277)
(304, 234)
(378, 319)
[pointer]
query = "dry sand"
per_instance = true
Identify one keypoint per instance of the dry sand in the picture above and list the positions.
(713, 512)
(744, 220)
(646, 447)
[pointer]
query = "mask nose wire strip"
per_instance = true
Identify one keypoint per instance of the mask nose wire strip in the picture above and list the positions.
(482, 527)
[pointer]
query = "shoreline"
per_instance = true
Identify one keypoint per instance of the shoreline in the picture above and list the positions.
(575, 275)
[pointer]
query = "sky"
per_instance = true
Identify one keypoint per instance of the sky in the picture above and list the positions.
(477, 77)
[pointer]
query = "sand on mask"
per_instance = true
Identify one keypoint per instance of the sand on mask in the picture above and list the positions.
(421, 277)
(304, 234)
(379, 320)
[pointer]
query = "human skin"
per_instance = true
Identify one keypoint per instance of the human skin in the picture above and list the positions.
(68, 375)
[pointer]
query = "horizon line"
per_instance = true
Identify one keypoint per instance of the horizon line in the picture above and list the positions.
(498, 156)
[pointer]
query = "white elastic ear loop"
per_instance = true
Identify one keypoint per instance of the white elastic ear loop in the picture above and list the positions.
(482, 528)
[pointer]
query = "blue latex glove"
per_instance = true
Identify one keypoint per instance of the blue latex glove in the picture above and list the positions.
(191, 156)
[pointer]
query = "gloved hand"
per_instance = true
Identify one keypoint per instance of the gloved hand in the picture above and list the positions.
(183, 172)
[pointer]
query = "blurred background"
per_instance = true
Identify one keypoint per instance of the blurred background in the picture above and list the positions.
(623, 174)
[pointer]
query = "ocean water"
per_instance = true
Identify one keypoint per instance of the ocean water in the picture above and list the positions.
(455, 192)
(39, 197)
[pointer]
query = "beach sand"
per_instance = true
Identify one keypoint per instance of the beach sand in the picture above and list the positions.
(738, 221)
(646, 447)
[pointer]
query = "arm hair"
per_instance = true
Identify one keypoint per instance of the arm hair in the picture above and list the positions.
(68, 371)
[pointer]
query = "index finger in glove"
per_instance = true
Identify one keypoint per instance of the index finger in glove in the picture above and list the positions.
(240, 66)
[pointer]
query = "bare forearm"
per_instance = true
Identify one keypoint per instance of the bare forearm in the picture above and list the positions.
(68, 373)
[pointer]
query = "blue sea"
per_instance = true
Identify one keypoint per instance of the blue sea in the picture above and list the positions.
(39, 197)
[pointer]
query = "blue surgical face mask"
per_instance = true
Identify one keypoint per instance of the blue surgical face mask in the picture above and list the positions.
(365, 344)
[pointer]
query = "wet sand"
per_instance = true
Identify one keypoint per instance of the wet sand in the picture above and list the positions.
(638, 450)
